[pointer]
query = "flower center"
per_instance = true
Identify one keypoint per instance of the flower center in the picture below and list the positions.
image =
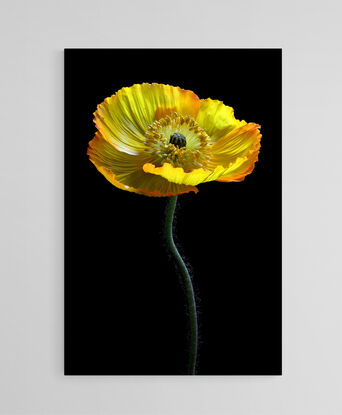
(178, 140)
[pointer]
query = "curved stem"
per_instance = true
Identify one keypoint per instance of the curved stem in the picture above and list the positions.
(189, 291)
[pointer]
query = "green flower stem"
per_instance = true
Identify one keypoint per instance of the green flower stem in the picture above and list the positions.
(189, 290)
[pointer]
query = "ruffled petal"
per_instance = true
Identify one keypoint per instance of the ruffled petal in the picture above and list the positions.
(237, 151)
(217, 119)
(125, 171)
(124, 117)
(235, 144)
(238, 170)
(178, 175)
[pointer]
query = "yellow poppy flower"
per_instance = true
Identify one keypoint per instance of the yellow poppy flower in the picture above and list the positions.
(161, 140)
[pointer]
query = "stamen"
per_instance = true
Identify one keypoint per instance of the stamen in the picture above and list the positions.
(178, 140)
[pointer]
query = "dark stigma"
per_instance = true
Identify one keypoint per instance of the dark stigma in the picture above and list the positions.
(178, 140)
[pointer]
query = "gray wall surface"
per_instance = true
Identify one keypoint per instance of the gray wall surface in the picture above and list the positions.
(33, 35)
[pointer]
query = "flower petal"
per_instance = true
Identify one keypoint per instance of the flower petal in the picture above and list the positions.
(237, 171)
(124, 118)
(178, 175)
(125, 171)
(237, 151)
(235, 144)
(216, 118)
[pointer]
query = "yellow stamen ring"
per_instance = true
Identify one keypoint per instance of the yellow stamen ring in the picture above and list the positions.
(189, 152)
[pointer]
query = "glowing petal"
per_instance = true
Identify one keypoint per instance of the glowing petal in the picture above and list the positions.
(125, 171)
(237, 151)
(124, 118)
(235, 144)
(217, 119)
(238, 170)
(178, 175)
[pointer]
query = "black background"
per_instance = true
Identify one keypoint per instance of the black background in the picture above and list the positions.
(124, 307)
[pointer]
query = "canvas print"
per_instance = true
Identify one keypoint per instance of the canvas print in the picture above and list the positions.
(173, 212)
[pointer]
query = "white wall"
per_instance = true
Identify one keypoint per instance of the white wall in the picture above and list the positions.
(33, 35)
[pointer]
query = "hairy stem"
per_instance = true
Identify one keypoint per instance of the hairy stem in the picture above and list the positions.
(189, 291)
